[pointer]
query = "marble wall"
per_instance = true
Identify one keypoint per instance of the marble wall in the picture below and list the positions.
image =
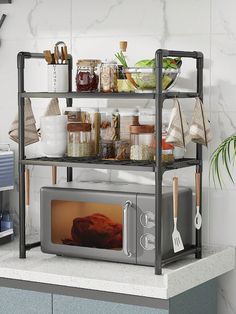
(94, 29)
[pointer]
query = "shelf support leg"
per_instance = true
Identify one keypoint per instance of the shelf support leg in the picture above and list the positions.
(21, 122)
(199, 62)
(69, 104)
(158, 166)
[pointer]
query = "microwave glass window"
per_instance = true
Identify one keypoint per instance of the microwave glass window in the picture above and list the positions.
(93, 225)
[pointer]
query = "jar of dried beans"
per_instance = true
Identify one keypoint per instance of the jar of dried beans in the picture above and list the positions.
(108, 77)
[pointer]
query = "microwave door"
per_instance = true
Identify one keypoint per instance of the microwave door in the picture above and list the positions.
(89, 224)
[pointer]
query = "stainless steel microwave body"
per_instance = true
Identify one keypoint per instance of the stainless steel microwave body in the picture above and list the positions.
(114, 222)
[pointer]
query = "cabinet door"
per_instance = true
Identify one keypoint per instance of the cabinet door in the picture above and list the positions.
(73, 305)
(16, 301)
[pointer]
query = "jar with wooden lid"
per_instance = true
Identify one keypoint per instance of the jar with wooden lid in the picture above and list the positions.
(79, 139)
(128, 116)
(87, 78)
(73, 114)
(142, 142)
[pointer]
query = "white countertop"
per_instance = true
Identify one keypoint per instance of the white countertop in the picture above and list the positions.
(115, 277)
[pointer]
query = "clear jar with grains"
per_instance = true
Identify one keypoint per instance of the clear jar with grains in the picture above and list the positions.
(79, 139)
(108, 77)
(128, 116)
(142, 142)
(87, 78)
(107, 149)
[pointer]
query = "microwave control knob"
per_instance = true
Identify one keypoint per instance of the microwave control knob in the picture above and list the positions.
(147, 219)
(147, 241)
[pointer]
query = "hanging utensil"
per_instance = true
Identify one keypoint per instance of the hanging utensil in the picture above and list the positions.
(176, 237)
(54, 175)
(198, 217)
(27, 200)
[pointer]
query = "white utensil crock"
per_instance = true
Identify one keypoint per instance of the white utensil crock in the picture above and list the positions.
(58, 78)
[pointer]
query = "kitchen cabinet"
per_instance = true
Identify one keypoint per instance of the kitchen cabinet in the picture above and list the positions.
(17, 301)
(199, 300)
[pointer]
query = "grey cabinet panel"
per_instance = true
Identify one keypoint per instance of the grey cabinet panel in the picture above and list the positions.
(199, 300)
(16, 301)
(73, 305)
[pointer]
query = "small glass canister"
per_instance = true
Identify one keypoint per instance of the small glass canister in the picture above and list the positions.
(122, 149)
(107, 149)
(128, 116)
(108, 77)
(110, 124)
(147, 116)
(79, 139)
(87, 78)
(73, 114)
(142, 142)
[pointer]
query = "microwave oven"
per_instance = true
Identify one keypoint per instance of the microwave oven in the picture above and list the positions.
(110, 221)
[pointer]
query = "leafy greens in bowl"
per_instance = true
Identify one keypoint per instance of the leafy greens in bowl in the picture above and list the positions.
(144, 73)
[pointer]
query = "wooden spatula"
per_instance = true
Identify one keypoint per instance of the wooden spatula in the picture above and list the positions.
(48, 56)
(176, 237)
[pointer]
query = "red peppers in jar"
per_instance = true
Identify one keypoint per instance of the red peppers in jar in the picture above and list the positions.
(87, 78)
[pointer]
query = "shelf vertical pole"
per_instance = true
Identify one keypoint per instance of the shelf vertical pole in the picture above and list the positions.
(199, 63)
(158, 165)
(21, 167)
(69, 104)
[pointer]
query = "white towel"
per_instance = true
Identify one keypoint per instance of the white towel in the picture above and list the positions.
(200, 130)
(178, 129)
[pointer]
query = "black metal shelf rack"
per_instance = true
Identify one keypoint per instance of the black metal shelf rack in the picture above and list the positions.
(157, 167)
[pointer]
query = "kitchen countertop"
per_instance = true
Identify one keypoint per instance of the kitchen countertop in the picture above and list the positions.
(115, 277)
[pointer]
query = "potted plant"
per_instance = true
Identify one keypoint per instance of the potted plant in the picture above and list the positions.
(224, 155)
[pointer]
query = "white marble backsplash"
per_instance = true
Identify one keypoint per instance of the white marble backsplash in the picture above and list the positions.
(93, 29)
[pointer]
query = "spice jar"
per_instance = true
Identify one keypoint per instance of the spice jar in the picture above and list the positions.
(79, 139)
(93, 116)
(167, 151)
(110, 124)
(122, 150)
(142, 142)
(108, 77)
(107, 149)
(87, 78)
(127, 117)
(73, 114)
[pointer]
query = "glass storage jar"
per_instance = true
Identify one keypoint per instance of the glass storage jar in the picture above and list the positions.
(110, 124)
(87, 77)
(79, 139)
(147, 116)
(167, 151)
(108, 77)
(107, 149)
(128, 116)
(122, 149)
(93, 116)
(142, 142)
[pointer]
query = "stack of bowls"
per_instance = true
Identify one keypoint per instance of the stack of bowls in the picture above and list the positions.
(54, 135)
